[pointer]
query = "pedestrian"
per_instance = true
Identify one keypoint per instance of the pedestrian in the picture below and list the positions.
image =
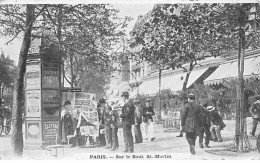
(190, 121)
(66, 122)
(108, 129)
(128, 120)
(255, 111)
(205, 122)
(138, 121)
(181, 133)
(217, 124)
(114, 126)
(148, 114)
(101, 110)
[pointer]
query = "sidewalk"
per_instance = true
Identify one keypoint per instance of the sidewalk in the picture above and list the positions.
(165, 145)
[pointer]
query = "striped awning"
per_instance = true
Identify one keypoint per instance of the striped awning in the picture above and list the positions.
(229, 70)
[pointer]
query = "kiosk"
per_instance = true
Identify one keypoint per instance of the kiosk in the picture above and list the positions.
(43, 91)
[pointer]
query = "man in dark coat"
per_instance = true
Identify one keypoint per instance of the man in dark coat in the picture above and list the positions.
(107, 125)
(138, 121)
(255, 110)
(128, 120)
(190, 121)
(204, 126)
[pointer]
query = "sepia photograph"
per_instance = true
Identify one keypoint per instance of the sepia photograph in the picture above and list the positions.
(129, 80)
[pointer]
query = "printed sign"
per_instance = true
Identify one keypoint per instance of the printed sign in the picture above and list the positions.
(33, 103)
(50, 75)
(33, 77)
(33, 130)
(50, 130)
(84, 104)
(50, 101)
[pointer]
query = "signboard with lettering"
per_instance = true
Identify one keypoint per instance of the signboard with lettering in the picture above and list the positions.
(50, 130)
(50, 101)
(33, 80)
(85, 104)
(50, 75)
(33, 103)
(33, 130)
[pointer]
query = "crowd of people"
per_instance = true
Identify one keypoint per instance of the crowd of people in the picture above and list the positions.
(195, 121)
(198, 119)
(132, 114)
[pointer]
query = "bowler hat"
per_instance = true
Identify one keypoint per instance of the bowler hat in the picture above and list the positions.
(102, 101)
(125, 94)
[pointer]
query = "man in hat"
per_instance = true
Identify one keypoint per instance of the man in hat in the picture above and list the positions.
(190, 121)
(255, 110)
(205, 122)
(128, 120)
(138, 121)
(148, 113)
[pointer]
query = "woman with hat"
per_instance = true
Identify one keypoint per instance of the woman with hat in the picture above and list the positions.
(148, 114)
(217, 124)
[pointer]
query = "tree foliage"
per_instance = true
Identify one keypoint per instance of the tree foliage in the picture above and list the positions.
(84, 32)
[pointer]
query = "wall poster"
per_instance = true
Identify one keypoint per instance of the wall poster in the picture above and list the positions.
(50, 75)
(50, 101)
(33, 103)
(33, 130)
(50, 130)
(33, 80)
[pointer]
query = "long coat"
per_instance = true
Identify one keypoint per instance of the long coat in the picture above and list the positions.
(190, 117)
(128, 112)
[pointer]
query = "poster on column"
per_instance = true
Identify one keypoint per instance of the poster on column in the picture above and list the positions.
(50, 75)
(33, 80)
(33, 103)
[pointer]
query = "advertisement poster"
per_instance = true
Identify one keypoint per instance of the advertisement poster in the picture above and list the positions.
(50, 75)
(50, 130)
(33, 103)
(33, 80)
(85, 104)
(50, 101)
(33, 130)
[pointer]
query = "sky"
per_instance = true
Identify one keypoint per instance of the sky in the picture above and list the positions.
(126, 9)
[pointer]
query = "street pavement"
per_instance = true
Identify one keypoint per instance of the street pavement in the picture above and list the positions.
(165, 146)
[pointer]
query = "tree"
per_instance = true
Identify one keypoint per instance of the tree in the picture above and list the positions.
(239, 23)
(17, 135)
(177, 34)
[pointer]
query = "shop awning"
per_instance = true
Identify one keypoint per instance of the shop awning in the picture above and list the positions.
(174, 82)
(229, 70)
(149, 87)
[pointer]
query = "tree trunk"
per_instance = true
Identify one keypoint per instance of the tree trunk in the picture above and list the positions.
(240, 93)
(17, 134)
(71, 71)
(160, 98)
(184, 87)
